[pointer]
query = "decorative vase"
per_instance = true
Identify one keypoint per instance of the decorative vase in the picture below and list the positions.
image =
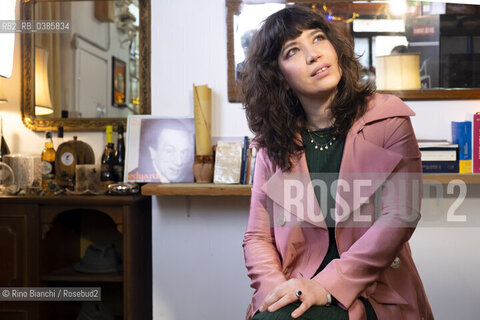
(203, 169)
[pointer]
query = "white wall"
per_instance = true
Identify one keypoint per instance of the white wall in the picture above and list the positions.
(189, 45)
(198, 267)
(198, 270)
(447, 257)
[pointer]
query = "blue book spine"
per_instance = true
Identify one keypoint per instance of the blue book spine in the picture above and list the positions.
(243, 169)
(440, 166)
(462, 135)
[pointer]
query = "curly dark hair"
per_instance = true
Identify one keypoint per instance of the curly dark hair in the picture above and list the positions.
(274, 113)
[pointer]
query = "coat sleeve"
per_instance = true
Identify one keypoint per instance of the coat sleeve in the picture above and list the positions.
(362, 264)
(261, 256)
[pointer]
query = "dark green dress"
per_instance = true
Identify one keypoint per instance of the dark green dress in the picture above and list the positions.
(324, 156)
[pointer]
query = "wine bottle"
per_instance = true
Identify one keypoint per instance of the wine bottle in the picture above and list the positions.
(108, 158)
(59, 136)
(4, 150)
(106, 172)
(109, 134)
(48, 162)
(119, 164)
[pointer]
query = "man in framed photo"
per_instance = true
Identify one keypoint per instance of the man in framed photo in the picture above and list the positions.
(167, 151)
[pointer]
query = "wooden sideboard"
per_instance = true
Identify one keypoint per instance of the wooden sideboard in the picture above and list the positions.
(42, 237)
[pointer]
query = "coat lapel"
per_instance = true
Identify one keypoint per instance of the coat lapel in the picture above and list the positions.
(364, 164)
(365, 167)
(294, 192)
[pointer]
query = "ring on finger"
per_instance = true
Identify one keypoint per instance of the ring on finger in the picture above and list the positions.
(298, 294)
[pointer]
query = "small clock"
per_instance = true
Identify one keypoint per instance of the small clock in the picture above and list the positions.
(69, 154)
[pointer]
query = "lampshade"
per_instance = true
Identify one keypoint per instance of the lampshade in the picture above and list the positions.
(7, 39)
(43, 104)
(2, 96)
(43, 111)
(398, 71)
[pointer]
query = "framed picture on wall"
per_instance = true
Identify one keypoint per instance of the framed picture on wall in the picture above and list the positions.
(119, 81)
(160, 149)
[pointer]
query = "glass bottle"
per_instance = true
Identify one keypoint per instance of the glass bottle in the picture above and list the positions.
(108, 158)
(4, 150)
(48, 162)
(109, 134)
(59, 136)
(119, 164)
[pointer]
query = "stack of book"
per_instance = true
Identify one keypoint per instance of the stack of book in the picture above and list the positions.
(439, 156)
(462, 155)
(234, 162)
(249, 156)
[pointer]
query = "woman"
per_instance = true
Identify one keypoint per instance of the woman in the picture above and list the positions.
(311, 115)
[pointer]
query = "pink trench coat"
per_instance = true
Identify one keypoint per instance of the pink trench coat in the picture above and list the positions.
(285, 241)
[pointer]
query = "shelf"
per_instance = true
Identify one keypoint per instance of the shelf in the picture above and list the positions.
(445, 178)
(434, 94)
(70, 200)
(195, 189)
(210, 189)
(70, 275)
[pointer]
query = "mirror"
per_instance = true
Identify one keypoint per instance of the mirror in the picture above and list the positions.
(86, 63)
(431, 51)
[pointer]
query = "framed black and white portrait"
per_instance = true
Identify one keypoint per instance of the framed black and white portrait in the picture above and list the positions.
(160, 149)
(119, 76)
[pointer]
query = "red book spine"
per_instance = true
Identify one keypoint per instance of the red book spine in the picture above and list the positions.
(476, 143)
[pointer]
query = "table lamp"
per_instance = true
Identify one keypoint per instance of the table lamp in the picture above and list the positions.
(43, 103)
(400, 71)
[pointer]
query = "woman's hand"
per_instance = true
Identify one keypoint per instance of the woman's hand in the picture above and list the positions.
(284, 294)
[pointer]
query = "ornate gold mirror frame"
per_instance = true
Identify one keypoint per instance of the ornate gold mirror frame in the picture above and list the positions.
(234, 8)
(80, 124)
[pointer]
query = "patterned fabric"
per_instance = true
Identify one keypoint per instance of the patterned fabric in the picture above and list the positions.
(314, 313)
